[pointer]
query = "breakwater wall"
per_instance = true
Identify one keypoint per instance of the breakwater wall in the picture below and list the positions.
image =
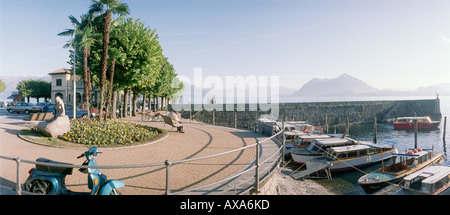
(336, 113)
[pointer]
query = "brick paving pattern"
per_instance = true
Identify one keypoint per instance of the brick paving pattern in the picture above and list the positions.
(198, 140)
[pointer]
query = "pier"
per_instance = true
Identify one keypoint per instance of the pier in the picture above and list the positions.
(318, 113)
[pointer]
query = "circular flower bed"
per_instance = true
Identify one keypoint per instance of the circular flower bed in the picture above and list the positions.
(108, 132)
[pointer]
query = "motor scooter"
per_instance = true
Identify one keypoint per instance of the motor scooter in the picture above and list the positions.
(50, 180)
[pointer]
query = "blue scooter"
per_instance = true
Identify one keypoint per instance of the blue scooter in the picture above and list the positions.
(50, 180)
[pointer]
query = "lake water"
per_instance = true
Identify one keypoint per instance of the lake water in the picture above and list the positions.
(346, 183)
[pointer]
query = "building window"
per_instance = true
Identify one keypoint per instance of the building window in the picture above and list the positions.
(58, 82)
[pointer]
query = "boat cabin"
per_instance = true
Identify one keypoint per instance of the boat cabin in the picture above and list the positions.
(321, 145)
(410, 159)
(351, 151)
(420, 119)
(430, 180)
(409, 122)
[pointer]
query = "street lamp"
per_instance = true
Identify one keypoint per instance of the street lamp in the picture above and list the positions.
(74, 81)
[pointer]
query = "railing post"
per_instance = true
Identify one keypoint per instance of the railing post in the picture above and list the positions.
(257, 168)
(168, 164)
(283, 141)
(18, 187)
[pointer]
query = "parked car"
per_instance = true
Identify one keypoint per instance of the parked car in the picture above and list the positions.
(24, 107)
(79, 113)
(68, 110)
(49, 107)
(42, 104)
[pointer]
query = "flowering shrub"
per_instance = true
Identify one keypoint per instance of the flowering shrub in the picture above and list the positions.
(108, 132)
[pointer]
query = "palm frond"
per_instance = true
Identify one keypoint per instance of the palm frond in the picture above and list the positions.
(121, 9)
(74, 20)
(67, 32)
(96, 7)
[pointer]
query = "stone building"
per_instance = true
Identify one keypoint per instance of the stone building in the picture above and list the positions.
(62, 86)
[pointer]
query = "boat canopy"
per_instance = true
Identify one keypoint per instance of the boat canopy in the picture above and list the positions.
(332, 141)
(375, 145)
(410, 119)
(349, 148)
(432, 174)
(314, 136)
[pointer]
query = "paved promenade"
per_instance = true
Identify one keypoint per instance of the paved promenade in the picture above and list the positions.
(198, 140)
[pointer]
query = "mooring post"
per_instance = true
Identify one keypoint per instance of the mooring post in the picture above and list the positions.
(257, 168)
(347, 124)
(416, 128)
(18, 187)
(283, 138)
(168, 164)
(445, 127)
(235, 119)
(375, 130)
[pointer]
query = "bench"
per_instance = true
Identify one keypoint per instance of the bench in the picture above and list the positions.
(169, 121)
(39, 117)
(148, 115)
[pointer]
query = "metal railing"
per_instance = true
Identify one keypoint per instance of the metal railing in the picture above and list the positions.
(269, 167)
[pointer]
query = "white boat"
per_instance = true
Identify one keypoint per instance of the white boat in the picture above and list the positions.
(347, 157)
(317, 149)
(398, 167)
(433, 180)
(303, 142)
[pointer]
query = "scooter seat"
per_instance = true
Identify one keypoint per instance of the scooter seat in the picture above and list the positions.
(53, 169)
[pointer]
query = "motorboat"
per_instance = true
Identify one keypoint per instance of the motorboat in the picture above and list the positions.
(409, 122)
(349, 157)
(398, 167)
(432, 180)
(317, 149)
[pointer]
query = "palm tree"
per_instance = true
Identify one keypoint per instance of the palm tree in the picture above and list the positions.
(106, 8)
(84, 37)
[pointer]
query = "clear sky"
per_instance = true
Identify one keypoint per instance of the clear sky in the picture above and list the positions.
(396, 44)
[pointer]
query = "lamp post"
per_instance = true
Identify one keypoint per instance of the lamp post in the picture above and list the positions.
(74, 94)
(74, 76)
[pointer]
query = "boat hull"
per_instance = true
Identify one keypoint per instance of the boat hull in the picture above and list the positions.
(370, 184)
(352, 163)
(420, 125)
(302, 158)
(371, 187)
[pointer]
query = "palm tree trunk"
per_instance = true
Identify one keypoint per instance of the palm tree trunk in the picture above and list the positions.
(104, 63)
(86, 81)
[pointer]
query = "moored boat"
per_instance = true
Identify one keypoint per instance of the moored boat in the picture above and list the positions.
(431, 180)
(399, 166)
(303, 141)
(317, 149)
(352, 156)
(409, 122)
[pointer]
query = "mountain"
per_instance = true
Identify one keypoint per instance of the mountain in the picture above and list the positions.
(344, 85)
